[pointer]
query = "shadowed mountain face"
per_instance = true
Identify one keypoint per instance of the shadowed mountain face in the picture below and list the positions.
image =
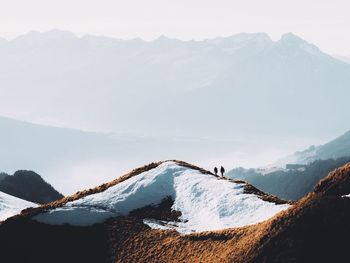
(289, 184)
(315, 228)
(242, 84)
(29, 186)
(3, 175)
(337, 148)
(301, 171)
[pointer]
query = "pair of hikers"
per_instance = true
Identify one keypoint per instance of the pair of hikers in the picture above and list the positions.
(222, 171)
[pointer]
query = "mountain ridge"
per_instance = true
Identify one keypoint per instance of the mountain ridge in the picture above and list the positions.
(248, 189)
(293, 235)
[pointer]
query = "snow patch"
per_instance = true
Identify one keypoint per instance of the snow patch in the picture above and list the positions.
(205, 202)
(160, 224)
(10, 205)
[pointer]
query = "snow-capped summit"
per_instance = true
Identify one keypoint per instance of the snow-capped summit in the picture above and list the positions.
(10, 205)
(205, 201)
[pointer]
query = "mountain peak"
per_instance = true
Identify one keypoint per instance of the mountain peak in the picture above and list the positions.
(164, 40)
(292, 38)
(293, 42)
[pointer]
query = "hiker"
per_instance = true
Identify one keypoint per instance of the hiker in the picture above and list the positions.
(216, 171)
(222, 171)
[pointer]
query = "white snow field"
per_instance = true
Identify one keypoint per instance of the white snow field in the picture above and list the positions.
(206, 202)
(10, 205)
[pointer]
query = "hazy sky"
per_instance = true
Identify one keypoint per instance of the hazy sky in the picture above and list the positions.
(323, 22)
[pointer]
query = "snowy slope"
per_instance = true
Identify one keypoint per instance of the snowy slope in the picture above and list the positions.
(206, 202)
(10, 205)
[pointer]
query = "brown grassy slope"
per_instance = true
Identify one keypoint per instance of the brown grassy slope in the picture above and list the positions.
(121, 239)
(316, 229)
(336, 183)
(138, 243)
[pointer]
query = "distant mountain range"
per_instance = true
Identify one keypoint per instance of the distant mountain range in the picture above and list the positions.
(296, 175)
(86, 159)
(292, 183)
(238, 85)
(44, 149)
(167, 211)
(339, 147)
(203, 101)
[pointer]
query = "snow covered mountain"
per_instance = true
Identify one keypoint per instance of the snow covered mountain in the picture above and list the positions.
(10, 205)
(104, 229)
(337, 148)
(125, 83)
(204, 201)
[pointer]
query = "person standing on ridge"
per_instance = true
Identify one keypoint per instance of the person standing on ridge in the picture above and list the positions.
(222, 171)
(216, 171)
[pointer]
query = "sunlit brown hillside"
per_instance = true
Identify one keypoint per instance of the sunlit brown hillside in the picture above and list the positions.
(314, 229)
